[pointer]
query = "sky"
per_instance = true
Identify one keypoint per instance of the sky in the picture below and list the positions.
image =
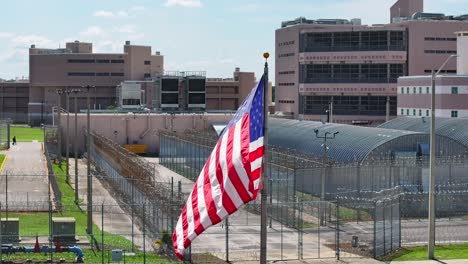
(193, 35)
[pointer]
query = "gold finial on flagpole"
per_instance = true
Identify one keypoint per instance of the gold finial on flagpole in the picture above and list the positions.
(266, 55)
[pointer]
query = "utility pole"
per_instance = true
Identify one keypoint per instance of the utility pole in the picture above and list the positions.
(432, 176)
(59, 131)
(327, 135)
(88, 160)
(75, 144)
(67, 93)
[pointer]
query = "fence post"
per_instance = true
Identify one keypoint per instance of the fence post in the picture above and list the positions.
(144, 234)
(1, 233)
(227, 238)
(375, 229)
(337, 252)
(6, 195)
(102, 233)
(133, 209)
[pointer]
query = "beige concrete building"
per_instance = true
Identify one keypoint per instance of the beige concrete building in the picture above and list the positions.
(77, 66)
(451, 91)
(341, 67)
(14, 98)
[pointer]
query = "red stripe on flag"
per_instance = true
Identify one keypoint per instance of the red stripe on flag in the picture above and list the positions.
(232, 173)
(185, 226)
(256, 153)
(210, 204)
(227, 202)
(198, 227)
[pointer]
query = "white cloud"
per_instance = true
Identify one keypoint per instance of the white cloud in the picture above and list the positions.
(184, 3)
(129, 28)
(93, 31)
(110, 14)
(6, 35)
(248, 8)
(137, 8)
(24, 41)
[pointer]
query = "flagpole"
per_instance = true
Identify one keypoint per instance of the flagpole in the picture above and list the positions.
(263, 201)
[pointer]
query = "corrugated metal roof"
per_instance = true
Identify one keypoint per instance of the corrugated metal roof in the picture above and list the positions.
(453, 128)
(353, 143)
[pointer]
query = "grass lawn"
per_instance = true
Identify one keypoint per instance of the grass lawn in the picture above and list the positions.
(442, 252)
(2, 159)
(26, 134)
(32, 224)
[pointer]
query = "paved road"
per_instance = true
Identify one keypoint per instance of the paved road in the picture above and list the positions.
(116, 220)
(27, 179)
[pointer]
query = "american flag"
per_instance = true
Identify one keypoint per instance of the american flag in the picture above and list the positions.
(231, 175)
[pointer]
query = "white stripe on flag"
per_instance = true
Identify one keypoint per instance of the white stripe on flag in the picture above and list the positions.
(204, 219)
(228, 186)
(256, 164)
(237, 158)
(254, 145)
(191, 225)
(216, 194)
(180, 236)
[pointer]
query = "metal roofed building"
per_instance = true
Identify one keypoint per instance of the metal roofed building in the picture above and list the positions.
(455, 129)
(356, 144)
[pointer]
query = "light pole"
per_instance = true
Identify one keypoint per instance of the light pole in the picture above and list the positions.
(88, 161)
(431, 213)
(67, 147)
(75, 143)
(326, 135)
(59, 132)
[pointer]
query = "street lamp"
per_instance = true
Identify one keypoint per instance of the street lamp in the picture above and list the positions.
(326, 135)
(88, 161)
(59, 132)
(67, 147)
(431, 213)
(75, 142)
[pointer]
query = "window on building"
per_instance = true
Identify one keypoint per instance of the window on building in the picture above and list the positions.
(147, 62)
(102, 74)
(420, 90)
(407, 112)
(117, 61)
(407, 90)
(414, 112)
(454, 90)
(402, 90)
(117, 74)
(414, 89)
(81, 61)
(102, 61)
(454, 114)
(427, 112)
(402, 111)
(420, 112)
(147, 75)
(81, 74)
(427, 90)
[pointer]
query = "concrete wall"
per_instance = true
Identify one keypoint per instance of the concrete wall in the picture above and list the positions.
(137, 128)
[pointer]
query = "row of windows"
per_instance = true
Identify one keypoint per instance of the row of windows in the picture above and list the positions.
(419, 90)
(286, 55)
(286, 72)
(351, 73)
(353, 41)
(286, 43)
(348, 89)
(441, 51)
(88, 74)
(286, 101)
(286, 84)
(94, 61)
(421, 112)
(442, 71)
(348, 105)
(439, 39)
